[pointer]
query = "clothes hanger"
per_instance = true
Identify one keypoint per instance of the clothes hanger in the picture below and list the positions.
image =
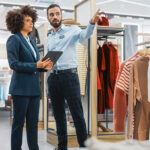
(144, 52)
(98, 43)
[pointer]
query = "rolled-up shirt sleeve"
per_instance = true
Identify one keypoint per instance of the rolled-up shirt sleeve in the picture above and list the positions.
(86, 33)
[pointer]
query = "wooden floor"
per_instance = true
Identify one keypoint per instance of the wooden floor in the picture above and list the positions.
(40, 125)
(52, 139)
(72, 140)
(111, 138)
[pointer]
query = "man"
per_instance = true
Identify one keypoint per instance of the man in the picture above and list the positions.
(63, 82)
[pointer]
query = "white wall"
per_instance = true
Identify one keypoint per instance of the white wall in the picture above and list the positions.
(3, 38)
(143, 26)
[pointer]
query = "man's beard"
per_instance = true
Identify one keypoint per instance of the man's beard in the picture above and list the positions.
(56, 25)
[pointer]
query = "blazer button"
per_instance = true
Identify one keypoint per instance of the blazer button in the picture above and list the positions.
(34, 72)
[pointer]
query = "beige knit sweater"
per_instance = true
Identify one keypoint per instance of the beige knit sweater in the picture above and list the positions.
(138, 105)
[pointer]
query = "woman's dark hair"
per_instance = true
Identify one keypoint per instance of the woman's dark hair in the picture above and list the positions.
(52, 6)
(14, 18)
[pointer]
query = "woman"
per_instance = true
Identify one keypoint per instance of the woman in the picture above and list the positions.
(23, 58)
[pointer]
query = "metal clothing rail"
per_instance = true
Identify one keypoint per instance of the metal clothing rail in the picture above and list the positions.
(104, 32)
(143, 43)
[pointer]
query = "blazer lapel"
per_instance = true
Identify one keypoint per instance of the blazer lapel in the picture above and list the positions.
(26, 44)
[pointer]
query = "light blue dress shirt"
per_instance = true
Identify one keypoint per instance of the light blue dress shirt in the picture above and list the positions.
(32, 48)
(66, 39)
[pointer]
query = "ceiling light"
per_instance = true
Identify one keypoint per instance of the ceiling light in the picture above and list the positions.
(15, 7)
(141, 18)
(129, 17)
(105, 2)
(1, 6)
(116, 16)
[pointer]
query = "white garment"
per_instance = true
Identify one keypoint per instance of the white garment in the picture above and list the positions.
(82, 53)
(32, 48)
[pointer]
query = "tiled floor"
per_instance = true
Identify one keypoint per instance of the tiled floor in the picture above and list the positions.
(5, 131)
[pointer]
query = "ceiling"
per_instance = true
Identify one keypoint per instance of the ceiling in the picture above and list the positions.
(127, 7)
(40, 5)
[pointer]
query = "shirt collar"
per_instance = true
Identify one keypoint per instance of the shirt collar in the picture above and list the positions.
(61, 29)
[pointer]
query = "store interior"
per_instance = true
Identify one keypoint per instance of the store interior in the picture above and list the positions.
(108, 118)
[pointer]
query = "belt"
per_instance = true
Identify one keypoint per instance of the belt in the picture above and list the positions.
(72, 70)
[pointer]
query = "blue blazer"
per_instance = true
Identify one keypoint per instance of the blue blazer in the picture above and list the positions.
(25, 79)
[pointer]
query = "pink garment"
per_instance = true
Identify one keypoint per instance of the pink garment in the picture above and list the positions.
(124, 78)
(119, 105)
(120, 110)
(121, 94)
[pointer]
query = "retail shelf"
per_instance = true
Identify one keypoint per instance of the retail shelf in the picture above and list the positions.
(109, 30)
(104, 120)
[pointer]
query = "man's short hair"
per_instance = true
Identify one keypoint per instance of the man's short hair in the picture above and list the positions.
(52, 6)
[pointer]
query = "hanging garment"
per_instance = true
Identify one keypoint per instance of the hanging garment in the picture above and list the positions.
(82, 53)
(101, 68)
(138, 105)
(108, 66)
(114, 67)
(123, 82)
(106, 74)
(34, 35)
(98, 81)
(119, 105)
(121, 96)
(3, 94)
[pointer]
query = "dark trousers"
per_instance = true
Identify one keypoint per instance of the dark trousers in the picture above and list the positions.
(66, 86)
(25, 107)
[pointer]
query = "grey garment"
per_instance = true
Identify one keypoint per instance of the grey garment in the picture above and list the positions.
(32, 48)
(130, 40)
(34, 35)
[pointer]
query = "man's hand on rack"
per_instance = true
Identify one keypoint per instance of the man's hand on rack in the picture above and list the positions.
(96, 17)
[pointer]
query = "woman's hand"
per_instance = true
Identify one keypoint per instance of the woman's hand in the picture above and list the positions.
(46, 64)
(49, 66)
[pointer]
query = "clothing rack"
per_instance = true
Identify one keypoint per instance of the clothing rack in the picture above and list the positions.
(146, 50)
(143, 43)
(105, 33)
(105, 38)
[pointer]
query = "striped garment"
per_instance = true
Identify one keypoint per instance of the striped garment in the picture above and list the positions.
(123, 81)
(82, 53)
